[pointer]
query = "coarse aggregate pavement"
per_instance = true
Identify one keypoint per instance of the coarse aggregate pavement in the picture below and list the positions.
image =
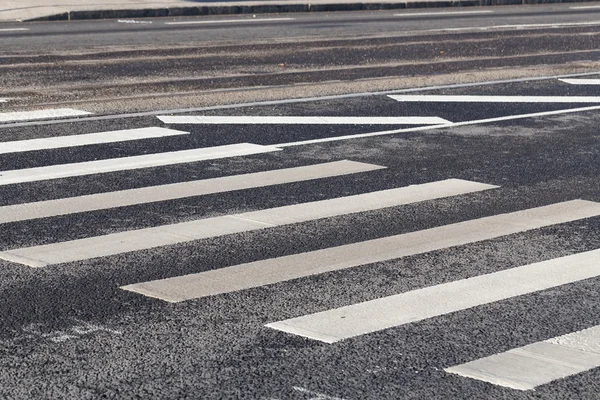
(71, 330)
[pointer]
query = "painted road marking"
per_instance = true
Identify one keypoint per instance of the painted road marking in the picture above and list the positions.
(450, 13)
(523, 26)
(527, 367)
(102, 201)
(124, 242)
(426, 128)
(129, 163)
(581, 81)
(229, 21)
(41, 114)
(372, 316)
(86, 139)
(13, 29)
(266, 272)
(169, 119)
(583, 7)
(3, 100)
(496, 99)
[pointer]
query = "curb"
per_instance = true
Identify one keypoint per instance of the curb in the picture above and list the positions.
(283, 8)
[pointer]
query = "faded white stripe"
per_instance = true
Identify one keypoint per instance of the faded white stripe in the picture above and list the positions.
(13, 29)
(229, 21)
(129, 163)
(496, 99)
(40, 114)
(446, 13)
(581, 81)
(86, 139)
(124, 242)
(387, 312)
(101, 201)
(527, 367)
(294, 266)
(191, 119)
(522, 26)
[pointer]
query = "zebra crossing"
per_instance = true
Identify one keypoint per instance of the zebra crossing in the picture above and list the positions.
(521, 369)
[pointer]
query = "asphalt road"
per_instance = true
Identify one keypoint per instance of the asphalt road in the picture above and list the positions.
(70, 330)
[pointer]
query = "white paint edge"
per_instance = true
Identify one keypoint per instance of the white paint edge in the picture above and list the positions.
(229, 21)
(495, 99)
(426, 128)
(41, 114)
(583, 7)
(129, 241)
(13, 29)
(522, 26)
(86, 139)
(266, 272)
(172, 119)
(376, 315)
(130, 163)
(123, 198)
(449, 13)
(581, 81)
(528, 367)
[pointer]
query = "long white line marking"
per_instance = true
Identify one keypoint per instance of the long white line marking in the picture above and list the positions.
(449, 13)
(266, 272)
(583, 7)
(129, 163)
(229, 21)
(425, 128)
(371, 316)
(496, 99)
(3, 100)
(123, 198)
(581, 81)
(41, 114)
(523, 26)
(86, 139)
(171, 119)
(129, 241)
(527, 367)
(13, 29)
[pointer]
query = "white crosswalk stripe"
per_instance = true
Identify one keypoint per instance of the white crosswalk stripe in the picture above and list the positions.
(129, 163)
(375, 315)
(86, 139)
(123, 242)
(41, 114)
(497, 99)
(581, 81)
(174, 119)
(281, 269)
(102, 201)
(527, 367)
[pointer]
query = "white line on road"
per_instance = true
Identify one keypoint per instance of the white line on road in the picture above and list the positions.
(41, 114)
(266, 272)
(449, 13)
(3, 100)
(523, 26)
(124, 242)
(229, 21)
(123, 198)
(129, 163)
(426, 128)
(13, 29)
(583, 7)
(581, 81)
(496, 99)
(527, 367)
(169, 119)
(86, 139)
(375, 315)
